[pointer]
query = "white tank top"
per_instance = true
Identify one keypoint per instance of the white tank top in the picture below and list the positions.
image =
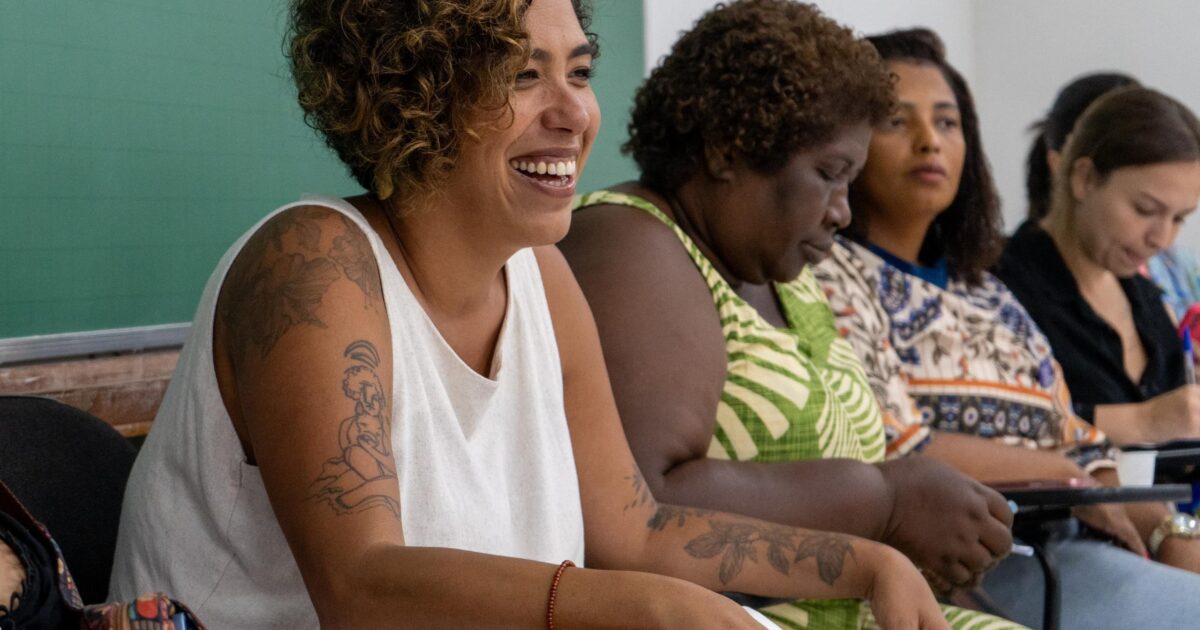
(483, 464)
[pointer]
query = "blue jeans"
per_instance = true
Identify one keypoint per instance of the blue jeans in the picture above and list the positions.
(1102, 587)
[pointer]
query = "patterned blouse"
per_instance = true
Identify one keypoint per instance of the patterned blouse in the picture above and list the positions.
(964, 358)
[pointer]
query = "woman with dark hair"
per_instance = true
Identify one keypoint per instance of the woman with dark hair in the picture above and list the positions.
(734, 388)
(1053, 131)
(966, 233)
(393, 409)
(1176, 271)
(911, 279)
(1120, 354)
(958, 361)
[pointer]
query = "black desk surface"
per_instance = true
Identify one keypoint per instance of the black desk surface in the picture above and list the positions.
(1033, 496)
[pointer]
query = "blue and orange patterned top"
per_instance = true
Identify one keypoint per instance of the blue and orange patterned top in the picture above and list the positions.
(962, 358)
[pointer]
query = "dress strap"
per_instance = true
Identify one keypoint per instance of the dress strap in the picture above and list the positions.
(716, 283)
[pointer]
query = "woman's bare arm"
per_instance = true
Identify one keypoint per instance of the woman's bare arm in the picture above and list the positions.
(304, 336)
(628, 528)
(665, 352)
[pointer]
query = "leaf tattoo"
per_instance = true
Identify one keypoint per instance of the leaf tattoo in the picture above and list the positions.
(663, 514)
(779, 541)
(305, 223)
(352, 251)
(830, 550)
(667, 513)
(641, 490)
(737, 542)
(286, 293)
(283, 281)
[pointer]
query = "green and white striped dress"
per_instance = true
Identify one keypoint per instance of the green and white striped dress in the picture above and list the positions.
(791, 394)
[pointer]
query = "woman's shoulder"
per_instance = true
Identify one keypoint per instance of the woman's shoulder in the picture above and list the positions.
(617, 239)
(287, 266)
(1032, 269)
(1026, 249)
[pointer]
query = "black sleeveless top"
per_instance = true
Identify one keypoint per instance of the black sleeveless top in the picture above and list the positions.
(1086, 346)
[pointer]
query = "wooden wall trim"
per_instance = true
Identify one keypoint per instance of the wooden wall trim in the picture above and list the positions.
(123, 390)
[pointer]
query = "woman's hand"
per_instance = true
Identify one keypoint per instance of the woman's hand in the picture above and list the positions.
(1173, 415)
(952, 526)
(1181, 553)
(12, 573)
(1112, 520)
(899, 596)
(1169, 416)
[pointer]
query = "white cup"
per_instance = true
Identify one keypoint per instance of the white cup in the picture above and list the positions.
(1136, 468)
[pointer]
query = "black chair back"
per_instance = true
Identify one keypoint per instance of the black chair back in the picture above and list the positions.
(69, 468)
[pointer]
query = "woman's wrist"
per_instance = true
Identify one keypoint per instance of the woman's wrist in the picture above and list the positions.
(882, 561)
(586, 597)
(888, 509)
(1121, 422)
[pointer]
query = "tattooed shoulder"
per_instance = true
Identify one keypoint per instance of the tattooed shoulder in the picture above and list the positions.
(283, 273)
(362, 475)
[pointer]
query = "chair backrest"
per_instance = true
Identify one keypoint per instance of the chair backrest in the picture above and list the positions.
(69, 468)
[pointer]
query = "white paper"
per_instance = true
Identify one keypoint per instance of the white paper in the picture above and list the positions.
(766, 623)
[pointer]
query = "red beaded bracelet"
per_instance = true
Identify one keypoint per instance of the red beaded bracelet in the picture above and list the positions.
(554, 593)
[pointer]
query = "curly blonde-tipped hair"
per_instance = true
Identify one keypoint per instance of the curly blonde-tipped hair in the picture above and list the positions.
(393, 85)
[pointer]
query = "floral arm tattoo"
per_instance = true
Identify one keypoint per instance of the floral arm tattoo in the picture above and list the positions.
(737, 541)
(280, 288)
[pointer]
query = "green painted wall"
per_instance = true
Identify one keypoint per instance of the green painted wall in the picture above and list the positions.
(139, 138)
(619, 71)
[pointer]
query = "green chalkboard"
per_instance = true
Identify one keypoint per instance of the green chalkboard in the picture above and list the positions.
(139, 138)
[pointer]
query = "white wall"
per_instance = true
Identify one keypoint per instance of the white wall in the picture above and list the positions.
(1016, 54)
(1025, 50)
(952, 19)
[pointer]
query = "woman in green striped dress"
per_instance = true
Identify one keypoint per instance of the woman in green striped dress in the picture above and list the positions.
(735, 389)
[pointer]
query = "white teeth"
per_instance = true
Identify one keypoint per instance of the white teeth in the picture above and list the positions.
(560, 169)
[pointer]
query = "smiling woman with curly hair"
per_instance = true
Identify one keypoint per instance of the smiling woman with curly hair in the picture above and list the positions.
(393, 410)
(395, 104)
(735, 390)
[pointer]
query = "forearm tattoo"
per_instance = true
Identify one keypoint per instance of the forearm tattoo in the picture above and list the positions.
(363, 476)
(738, 541)
(280, 287)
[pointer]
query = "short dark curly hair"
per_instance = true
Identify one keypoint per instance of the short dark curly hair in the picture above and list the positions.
(393, 85)
(763, 78)
(970, 232)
